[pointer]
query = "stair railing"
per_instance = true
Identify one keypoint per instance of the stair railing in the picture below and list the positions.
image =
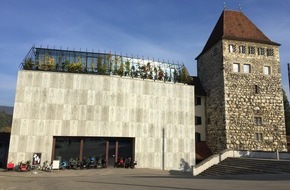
(213, 160)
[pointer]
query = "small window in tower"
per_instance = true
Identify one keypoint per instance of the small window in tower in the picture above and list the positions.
(267, 70)
(258, 136)
(270, 52)
(261, 51)
(197, 100)
(236, 67)
(197, 120)
(258, 120)
(247, 68)
(251, 50)
(242, 49)
(257, 89)
(232, 48)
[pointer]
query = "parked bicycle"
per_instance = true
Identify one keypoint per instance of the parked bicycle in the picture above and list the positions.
(46, 166)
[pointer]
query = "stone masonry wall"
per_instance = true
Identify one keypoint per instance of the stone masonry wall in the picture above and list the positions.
(254, 94)
(51, 104)
(235, 99)
(210, 72)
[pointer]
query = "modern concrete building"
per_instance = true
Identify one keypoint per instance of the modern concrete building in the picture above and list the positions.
(63, 114)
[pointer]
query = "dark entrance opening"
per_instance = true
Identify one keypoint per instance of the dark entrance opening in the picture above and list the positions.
(110, 149)
(4, 148)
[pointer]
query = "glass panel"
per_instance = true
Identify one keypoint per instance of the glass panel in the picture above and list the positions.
(236, 67)
(125, 148)
(66, 148)
(100, 63)
(94, 147)
(247, 68)
(112, 152)
(242, 49)
(69, 147)
(266, 70)
(231, 48)
(258, 120)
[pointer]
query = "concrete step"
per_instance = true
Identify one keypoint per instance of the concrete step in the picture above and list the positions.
(246, 166)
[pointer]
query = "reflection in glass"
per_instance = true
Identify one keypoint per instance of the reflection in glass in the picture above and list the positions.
(66, 148)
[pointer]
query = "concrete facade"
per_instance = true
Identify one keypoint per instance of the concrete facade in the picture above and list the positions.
(49, 104)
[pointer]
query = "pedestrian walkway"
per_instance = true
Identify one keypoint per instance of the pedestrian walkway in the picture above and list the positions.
(131, 179)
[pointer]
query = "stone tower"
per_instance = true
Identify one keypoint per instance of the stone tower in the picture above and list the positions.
(239, 69)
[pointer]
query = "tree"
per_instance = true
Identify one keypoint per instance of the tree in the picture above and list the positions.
(286, 112)
(5, 122)
(183, 76)
(121, 68)
(127, 68)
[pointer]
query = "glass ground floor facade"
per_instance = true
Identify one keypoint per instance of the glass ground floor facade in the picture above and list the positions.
(109, 148)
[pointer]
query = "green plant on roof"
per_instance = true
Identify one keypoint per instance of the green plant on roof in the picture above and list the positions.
(142, 70)
(109, 62)
(100, 66)
(28, 64)
(149, 71)
(64, 65)
(133, 72)
(75, 66)
(121, 68)
(155, 70)
(175, 76)
(47, 63)
(166, 77)
(160, 73)
(115, 70)
(127, 68)
(184, 76)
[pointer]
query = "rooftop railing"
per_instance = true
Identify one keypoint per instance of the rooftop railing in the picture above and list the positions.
(57, 60)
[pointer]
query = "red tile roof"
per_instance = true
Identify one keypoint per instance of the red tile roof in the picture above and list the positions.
(234, 25)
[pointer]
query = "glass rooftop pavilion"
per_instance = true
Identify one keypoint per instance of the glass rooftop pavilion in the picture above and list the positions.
(57, 60)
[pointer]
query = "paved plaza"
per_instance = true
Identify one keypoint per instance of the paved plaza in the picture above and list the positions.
(131, 179)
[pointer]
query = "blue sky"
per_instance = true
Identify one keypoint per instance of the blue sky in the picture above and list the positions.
(174, 30)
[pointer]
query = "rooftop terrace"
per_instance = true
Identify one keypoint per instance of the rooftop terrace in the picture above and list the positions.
(58, 60)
